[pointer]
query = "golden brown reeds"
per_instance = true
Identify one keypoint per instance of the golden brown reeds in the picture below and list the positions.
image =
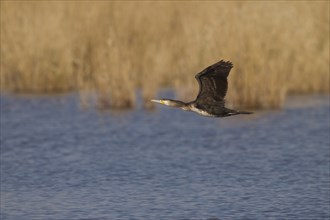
(114, 48)
(35, 48)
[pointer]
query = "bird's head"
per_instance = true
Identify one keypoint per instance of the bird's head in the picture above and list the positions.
(170, 102)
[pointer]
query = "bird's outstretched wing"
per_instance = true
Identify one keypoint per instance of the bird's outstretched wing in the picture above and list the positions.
(213, 84)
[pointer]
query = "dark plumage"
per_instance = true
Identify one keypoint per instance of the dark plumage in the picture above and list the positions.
(213, 87)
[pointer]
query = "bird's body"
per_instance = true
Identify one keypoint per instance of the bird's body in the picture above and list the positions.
(213, 87)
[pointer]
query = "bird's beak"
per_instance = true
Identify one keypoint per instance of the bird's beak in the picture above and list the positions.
(157, 101)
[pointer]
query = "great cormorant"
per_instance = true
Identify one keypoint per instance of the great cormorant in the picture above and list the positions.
(213, 87)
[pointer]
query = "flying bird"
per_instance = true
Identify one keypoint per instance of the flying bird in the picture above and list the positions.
(210, 100)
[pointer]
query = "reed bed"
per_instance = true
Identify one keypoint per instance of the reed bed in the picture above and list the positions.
(115, 48)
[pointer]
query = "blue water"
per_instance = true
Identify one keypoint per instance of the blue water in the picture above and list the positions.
(61, 161)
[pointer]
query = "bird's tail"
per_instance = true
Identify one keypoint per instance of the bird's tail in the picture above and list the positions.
(244, 112)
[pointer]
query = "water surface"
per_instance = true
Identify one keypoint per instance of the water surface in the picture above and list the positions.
(59, 161)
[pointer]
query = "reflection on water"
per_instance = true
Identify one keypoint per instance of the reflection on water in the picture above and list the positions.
(61, 162)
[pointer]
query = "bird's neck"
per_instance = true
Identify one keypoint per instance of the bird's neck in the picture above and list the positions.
(177, 104)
